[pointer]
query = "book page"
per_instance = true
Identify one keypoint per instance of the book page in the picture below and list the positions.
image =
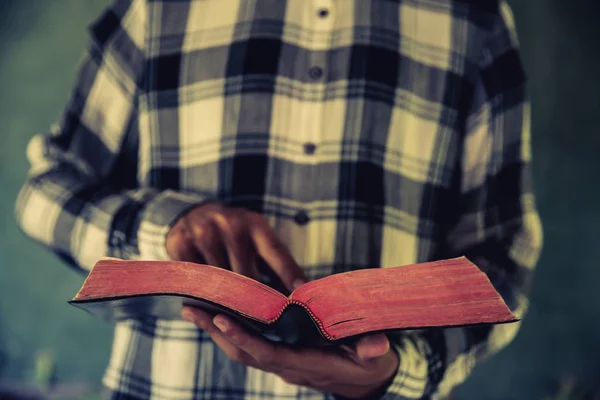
(437, 294)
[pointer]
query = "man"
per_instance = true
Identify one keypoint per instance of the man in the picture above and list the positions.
(310, 137)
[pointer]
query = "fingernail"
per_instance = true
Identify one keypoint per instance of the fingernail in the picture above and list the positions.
(375, 339)
(221, 323)
(373, 346)
(298, 282)
(187, 315)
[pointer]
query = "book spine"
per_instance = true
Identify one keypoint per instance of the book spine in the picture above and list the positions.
(314, 318)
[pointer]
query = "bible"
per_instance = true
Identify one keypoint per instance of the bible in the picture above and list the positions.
(339, 307)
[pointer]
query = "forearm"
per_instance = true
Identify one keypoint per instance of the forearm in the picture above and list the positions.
(81, 198)
(82, 219)
(436, 361)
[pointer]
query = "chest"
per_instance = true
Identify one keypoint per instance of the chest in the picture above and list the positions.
(303, 100)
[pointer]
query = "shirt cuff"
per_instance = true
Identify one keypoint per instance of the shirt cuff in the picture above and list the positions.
(159, 215)
(411, 377)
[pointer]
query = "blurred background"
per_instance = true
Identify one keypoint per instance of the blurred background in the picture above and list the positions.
(45, 344)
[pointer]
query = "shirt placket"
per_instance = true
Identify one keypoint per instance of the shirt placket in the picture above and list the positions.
(320, 15)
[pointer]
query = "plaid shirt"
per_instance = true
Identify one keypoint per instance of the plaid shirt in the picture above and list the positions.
(369, 133)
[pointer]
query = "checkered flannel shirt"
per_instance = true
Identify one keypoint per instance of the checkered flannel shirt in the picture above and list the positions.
(369, 133)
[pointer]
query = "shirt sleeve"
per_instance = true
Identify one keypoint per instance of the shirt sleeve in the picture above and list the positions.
(81, 197)
(498, 226)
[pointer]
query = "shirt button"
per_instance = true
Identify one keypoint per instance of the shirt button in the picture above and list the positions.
(323, 13)
(315, 73)
(301, 218)
(309, 148)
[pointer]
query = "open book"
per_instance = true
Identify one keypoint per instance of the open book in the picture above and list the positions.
(435, 294)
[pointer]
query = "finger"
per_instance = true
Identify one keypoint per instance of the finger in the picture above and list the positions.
(293, 378)
(241, 252)
(215, 256)
(204, 321)
(196, 316)
(214, 252)
(372, 346)
(277, 256)
(207, 241)
(350, 352)
(269, 356)
(182, 249)
(275, 358)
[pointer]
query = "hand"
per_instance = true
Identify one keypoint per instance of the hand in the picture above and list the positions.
(232, 238)
(357, 373)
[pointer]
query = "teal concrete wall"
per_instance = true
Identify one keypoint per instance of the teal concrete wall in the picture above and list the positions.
(40, 44)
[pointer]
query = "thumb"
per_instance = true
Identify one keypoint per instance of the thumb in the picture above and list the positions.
(277, 257)
(372, 346)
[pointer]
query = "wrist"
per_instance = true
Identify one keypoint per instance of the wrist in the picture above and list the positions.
(158, 217)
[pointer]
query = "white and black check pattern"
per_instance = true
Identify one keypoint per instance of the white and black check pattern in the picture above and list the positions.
(369, 133)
